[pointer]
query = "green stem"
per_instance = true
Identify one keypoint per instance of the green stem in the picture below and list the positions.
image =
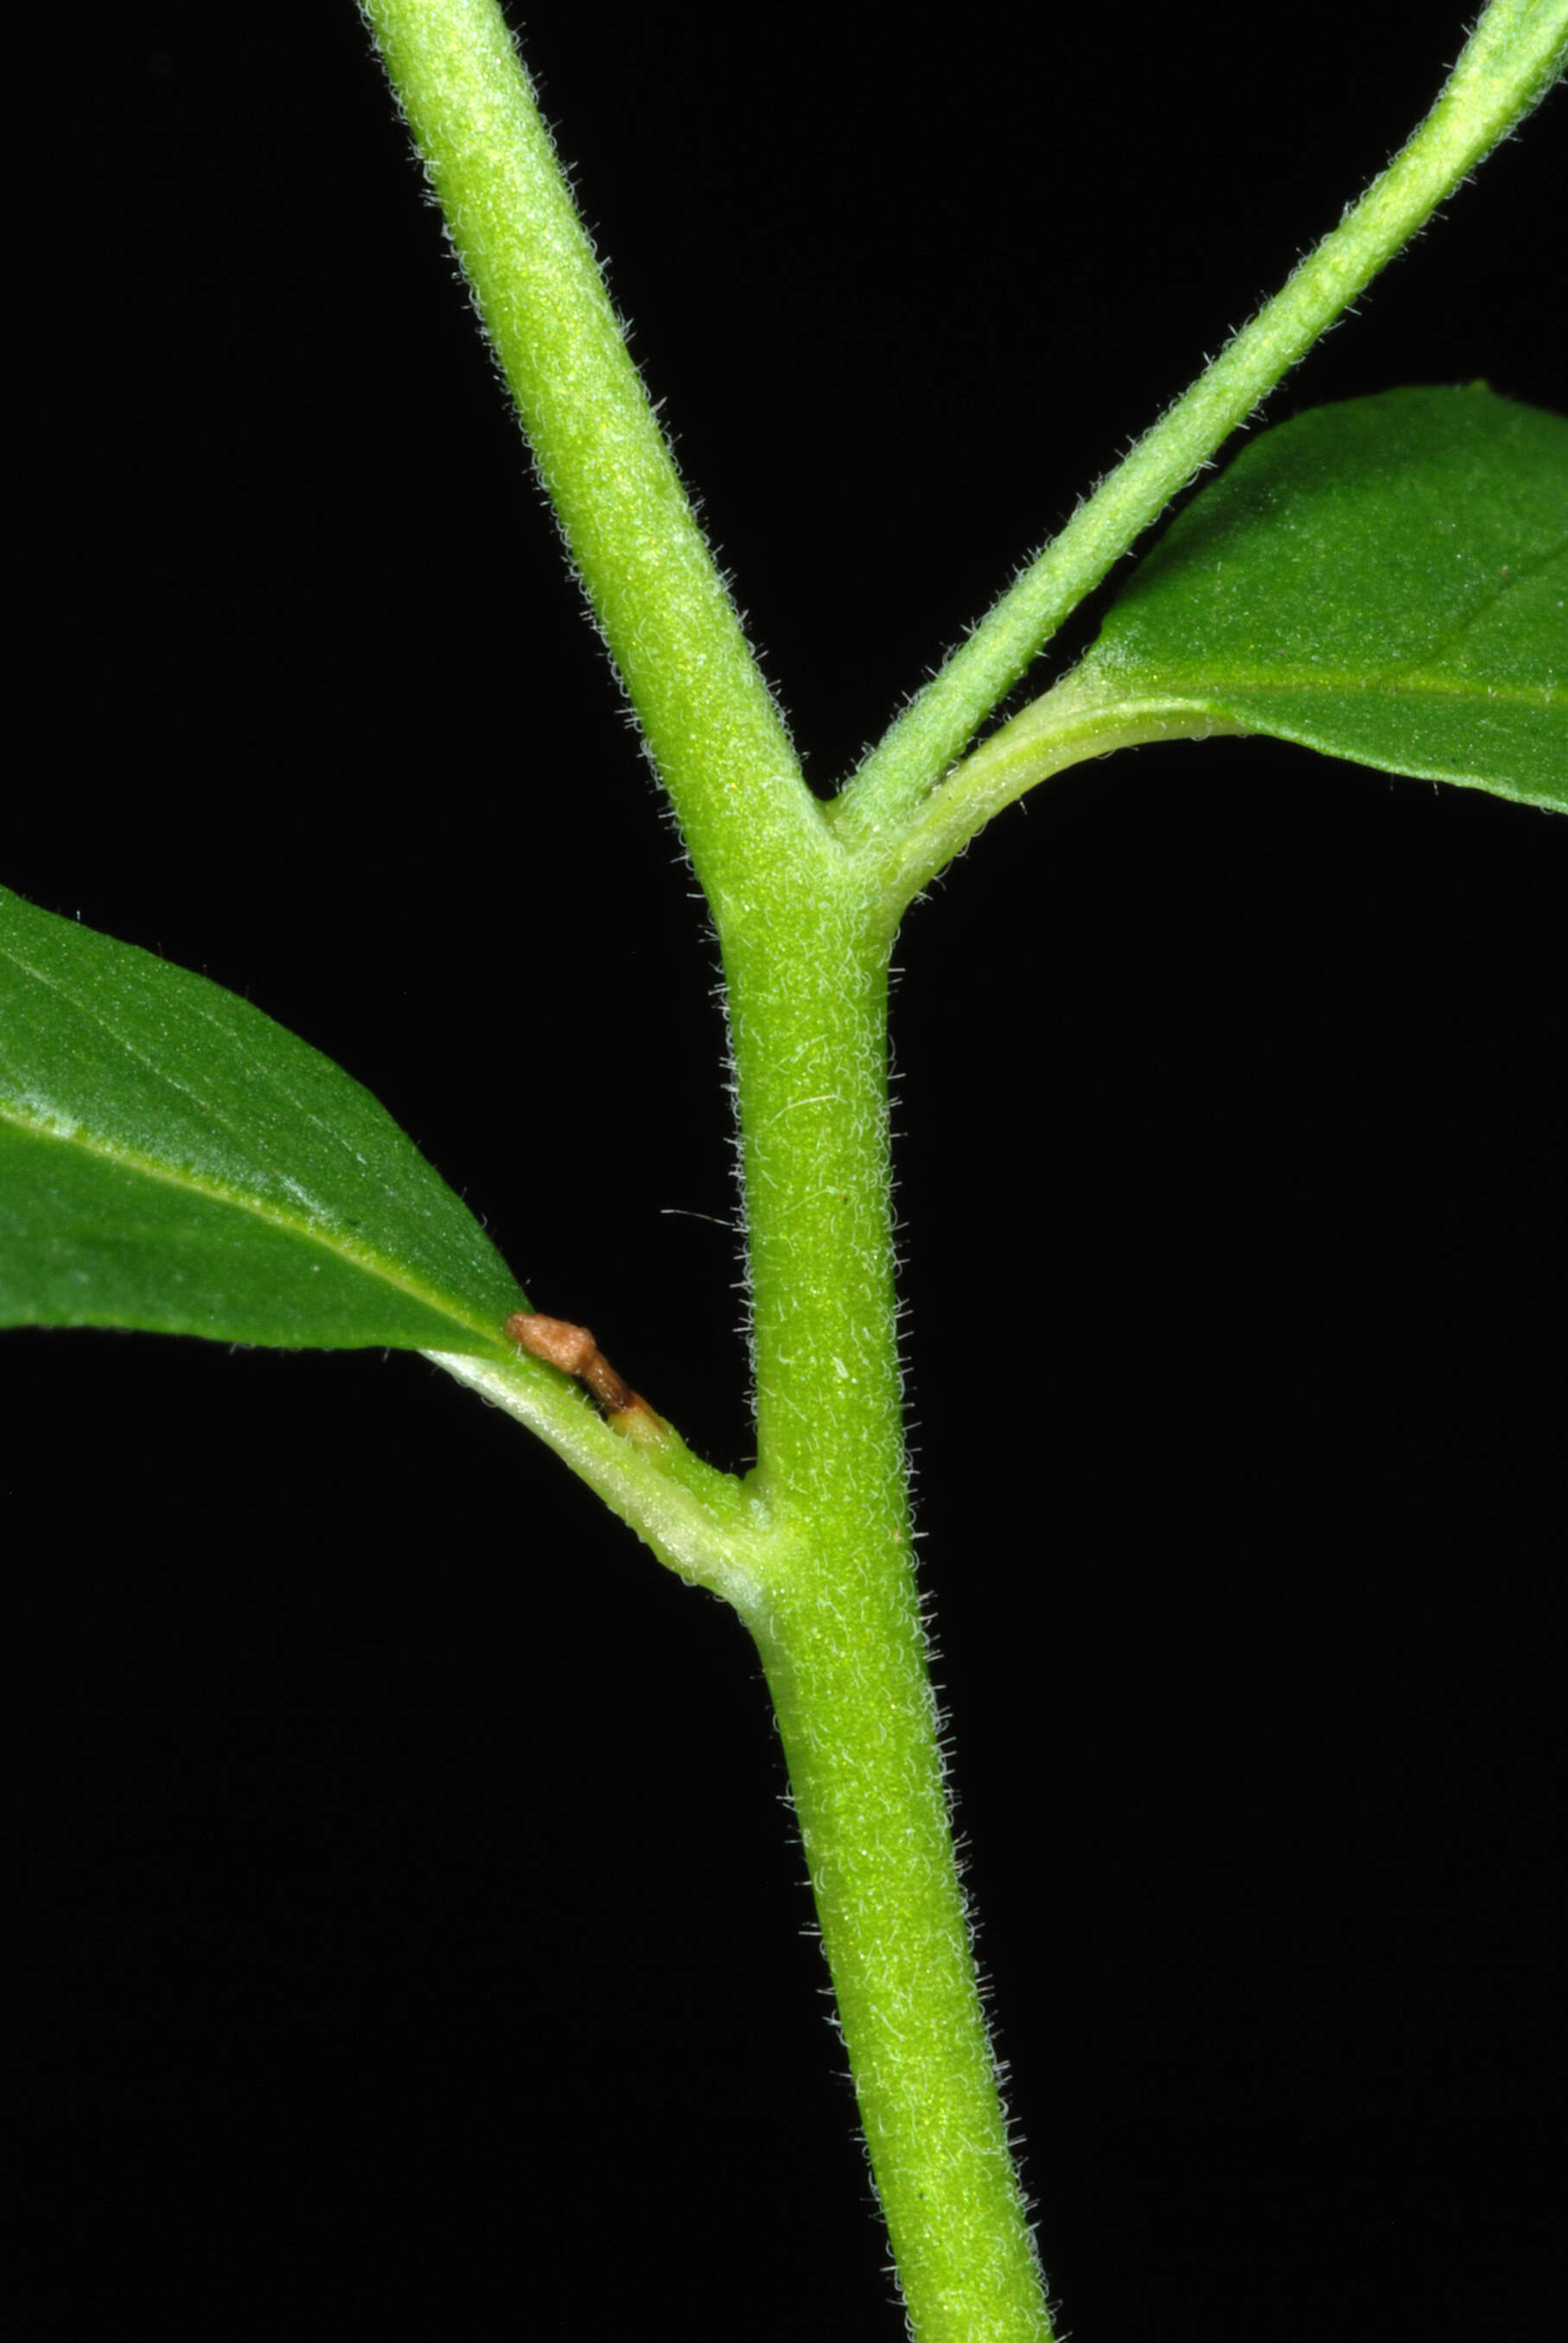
(715, 736)
(872, 1810)
(815, 1551)
(1511, 59)
(841, 1632)
(821, 1564)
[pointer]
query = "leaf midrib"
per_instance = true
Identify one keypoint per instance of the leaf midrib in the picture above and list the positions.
(326, 1238)
(1394, 683)
(326, 1234)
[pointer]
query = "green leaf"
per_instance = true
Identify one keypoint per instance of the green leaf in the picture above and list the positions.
(1386, 580)
(171, 1159)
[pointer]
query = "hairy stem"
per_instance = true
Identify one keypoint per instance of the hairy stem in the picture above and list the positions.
(840, 1633)
(1511, 59)
(816, 1552)
(820, 1565)
(710, 724)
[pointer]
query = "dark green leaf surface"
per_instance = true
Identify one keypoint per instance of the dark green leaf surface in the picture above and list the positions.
(1386, 580)
(171, 1159)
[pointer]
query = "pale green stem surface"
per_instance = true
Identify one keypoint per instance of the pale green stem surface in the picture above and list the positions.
(710, 723)
(1081, 718)
(815, 1549)
(699, 1522)
(821, 1566)
(841, 1639)
(1511, 59)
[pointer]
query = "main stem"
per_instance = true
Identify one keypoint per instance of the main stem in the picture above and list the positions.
(803, 906)
(825, 1579)
(840, 1632)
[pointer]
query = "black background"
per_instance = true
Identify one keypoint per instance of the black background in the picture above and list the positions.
(414, 1932)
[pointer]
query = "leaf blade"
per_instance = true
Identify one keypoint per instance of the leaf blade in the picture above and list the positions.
(1384, 580)
(171, 1159)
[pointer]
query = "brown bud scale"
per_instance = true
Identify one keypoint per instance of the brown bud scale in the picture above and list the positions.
(554, 1340)
(573, 1350)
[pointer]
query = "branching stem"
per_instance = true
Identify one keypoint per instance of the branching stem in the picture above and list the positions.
(814, 1548)
(1511, 59)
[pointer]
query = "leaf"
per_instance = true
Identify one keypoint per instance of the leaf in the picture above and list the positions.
(171, 1159)
(1386, 580)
